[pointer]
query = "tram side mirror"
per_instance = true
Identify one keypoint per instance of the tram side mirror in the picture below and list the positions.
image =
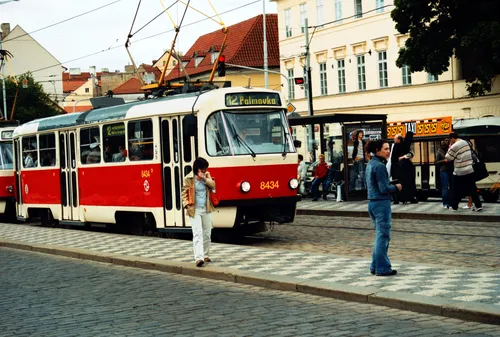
(297, 143)
(189, 125)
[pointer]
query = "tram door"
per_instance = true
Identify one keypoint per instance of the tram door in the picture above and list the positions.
(18, 164)
(178, 154)
(69, 176)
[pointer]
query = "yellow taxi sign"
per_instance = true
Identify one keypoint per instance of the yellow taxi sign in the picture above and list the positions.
(290, 108)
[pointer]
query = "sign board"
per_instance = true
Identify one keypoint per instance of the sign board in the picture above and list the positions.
(421, 128)
(25, 83)
(290, 108)
(254, 98)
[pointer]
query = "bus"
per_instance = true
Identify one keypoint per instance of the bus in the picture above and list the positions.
(124, 165)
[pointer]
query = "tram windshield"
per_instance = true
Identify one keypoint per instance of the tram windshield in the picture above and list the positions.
(241, 133)
(6, 156)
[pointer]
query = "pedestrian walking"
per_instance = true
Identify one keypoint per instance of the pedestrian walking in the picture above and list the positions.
(463, 183)
(196, 201)
(444, 166)
(379, 205)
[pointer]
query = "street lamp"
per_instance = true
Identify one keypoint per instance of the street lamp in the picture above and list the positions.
(3, 76)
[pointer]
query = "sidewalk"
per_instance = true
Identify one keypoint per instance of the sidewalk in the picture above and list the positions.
(459, 293)
(429, 210)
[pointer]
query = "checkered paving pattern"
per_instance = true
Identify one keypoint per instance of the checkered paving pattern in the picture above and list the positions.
(491, 209)
(456, 284)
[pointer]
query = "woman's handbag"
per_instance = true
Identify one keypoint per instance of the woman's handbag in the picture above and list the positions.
(479, 167)
(214, 198)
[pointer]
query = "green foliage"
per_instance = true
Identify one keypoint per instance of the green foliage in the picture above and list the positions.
(437, 29)
(32, 102)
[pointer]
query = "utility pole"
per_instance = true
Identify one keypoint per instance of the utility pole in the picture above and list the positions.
(309, 89)
(266, 77)
(3, 112)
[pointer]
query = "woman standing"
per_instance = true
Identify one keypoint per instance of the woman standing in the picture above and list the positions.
(196, 201)
(379, 205)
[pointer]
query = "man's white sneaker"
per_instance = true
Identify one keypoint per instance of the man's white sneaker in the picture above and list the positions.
(466, 207)
(479, 209)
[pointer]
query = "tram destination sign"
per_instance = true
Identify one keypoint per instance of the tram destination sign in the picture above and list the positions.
(421, 128)
(253, 98)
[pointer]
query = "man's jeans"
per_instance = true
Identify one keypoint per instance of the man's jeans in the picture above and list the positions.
(445, 185)
(357, 169)
(380, 213)
(315, 186)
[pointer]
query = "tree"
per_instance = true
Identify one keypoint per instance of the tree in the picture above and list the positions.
(437, 29)
(31, 103)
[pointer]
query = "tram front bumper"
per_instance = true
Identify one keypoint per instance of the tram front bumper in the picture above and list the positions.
(279, 210)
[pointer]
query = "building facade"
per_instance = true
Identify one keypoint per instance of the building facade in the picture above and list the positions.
(29, 55)
(353, 48)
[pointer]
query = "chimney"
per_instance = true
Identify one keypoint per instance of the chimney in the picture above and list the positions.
(5, 27)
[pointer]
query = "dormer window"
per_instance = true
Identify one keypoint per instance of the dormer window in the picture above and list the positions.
(213, 56)
(197, 59)
(184, 63)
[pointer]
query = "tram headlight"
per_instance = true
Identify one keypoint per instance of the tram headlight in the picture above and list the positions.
(293, 183)
(245, 186)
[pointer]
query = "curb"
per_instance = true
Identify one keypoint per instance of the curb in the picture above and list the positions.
(476, 312)
(397, 215)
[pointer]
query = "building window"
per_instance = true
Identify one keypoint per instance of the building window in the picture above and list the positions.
(288, 22)
(382, 69)
(358, 8)
(406, 75)
(432, 78)
(164, 63)
(197, 60)
(213, 57)
(361, 72)
(319, 13)
(87, 90)
(341, 74)
(379, 4)
(174, 63)
(291, 83)
(303, 15)
(322, 79)
(338, 11)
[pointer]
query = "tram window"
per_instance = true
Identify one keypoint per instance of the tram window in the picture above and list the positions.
(186, 141)
(90, 146)
(165, 126)
(140, 140)
(62, 151)
(432, 152)
(30, 152)
(175, 139)
(72, 150)
(114, 142)
(217, 144)
(416, 149)
(48, 150)
(6, 156)
(487, 149)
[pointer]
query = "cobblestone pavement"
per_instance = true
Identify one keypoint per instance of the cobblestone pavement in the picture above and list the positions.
(452, 243)
(54, 296)
(455, 284)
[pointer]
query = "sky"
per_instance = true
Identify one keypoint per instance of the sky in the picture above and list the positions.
(103, 32)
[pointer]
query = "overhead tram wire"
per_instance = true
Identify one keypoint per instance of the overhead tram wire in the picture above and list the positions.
(65, 20)
(145, 38)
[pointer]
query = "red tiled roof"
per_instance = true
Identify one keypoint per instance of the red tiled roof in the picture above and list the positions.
(73, 82)
(243, 46)
(151, 69)
(78, 108)
(132, 86)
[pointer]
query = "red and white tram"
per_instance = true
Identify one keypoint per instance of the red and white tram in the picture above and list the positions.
(125, 164)
(7, 176)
